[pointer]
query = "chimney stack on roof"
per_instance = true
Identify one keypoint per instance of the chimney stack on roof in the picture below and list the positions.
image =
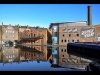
(89, 15)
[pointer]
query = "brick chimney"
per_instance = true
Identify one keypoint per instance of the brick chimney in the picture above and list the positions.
(89, 15)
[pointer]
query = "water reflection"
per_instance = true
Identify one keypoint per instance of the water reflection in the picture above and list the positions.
(9, 54)
(32, 53)
(71, 61)
(37, 58)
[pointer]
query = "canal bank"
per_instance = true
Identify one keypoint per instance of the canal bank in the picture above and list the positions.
(48, 45)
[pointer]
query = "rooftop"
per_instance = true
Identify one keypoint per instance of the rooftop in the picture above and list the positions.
(69, 23)
(19, 26)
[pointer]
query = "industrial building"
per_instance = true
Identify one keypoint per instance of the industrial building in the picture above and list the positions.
(24, 35)
(8, 34)
(34, 36)
(66, 32)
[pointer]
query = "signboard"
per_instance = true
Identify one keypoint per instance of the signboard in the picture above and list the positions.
(88, 32)
(65, 30)
(75, 30)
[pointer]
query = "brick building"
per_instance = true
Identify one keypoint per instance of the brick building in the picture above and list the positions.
(21, 29)
(34, 36)
(31, 35)
(66, 32)
(8, 33)
(76, 33)
(97, 31)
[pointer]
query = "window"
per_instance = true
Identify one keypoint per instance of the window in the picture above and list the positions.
(63, 35)
(62, 50)
(65, 50)
(55, 34)
(62, 55)
(77, 34)
(69, 35)
(77, 40)
(68, 41)
(61, 40)
(34, 35)
(29, 36)
(31, 54)
(65, 40)
(72, 40)
(34, 54)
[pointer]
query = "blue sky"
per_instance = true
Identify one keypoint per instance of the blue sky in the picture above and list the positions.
(44, 14)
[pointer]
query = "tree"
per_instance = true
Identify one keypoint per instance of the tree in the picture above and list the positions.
(37, 27)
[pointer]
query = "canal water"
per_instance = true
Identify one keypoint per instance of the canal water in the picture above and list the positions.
(33, 58)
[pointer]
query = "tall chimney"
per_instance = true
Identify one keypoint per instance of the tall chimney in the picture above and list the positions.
(89, 15)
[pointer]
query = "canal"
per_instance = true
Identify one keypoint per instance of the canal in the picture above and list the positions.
(37, 58)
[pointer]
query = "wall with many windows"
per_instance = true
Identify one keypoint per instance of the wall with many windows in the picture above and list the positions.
(69, 33)
(9, 33)
(34, 36)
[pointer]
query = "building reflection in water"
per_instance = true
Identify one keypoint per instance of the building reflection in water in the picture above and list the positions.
(60, 58)
(38, 53)
(9, 54)
(57, 56)
(70, 60)
(24, 53)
